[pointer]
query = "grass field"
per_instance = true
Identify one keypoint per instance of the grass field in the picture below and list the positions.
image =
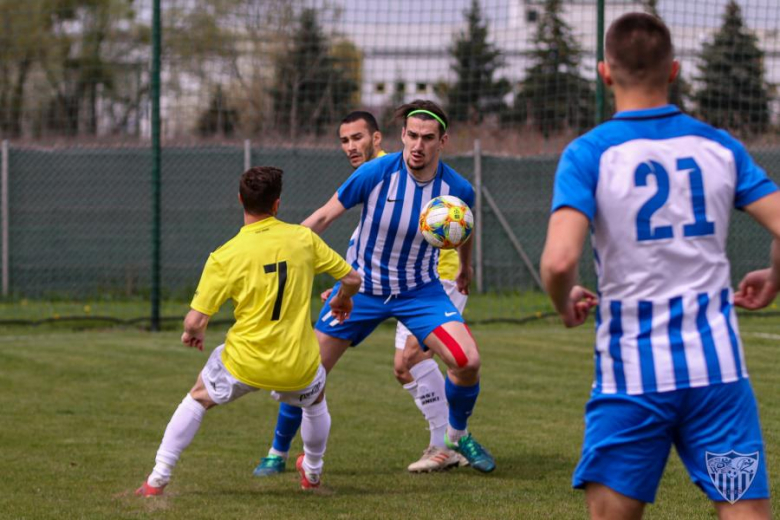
(509, 306)
(83, 413)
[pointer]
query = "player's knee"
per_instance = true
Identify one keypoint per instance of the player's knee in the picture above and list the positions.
(463, 353)
(470, 367)
(413, 355)
(402, 373)
(202, 397)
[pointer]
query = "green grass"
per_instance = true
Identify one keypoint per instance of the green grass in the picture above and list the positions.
(90, 313)
(83, 414)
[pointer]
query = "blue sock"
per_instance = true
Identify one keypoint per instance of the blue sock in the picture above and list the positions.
(287, 425)
(461, 400)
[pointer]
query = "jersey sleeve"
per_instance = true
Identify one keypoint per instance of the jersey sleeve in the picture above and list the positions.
(357, 188)
(752, 181)
(213, 288)
(326, 260)
(468, 195)
(576, 179)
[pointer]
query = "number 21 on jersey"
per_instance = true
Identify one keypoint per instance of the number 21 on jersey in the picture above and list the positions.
(700, 225)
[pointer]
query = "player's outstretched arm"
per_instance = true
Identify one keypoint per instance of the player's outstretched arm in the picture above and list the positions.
(759, 288)
(195, 324)
(324, 217)
(565, 236)
(341, 303)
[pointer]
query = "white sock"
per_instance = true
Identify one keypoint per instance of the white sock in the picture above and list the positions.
(412, 389)
(430, 398)
(181, 430)
(315, 429)
(282, 454)
(454, 435)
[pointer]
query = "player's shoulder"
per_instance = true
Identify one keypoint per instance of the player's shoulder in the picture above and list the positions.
(718, 135)
(454, 179)
(373, 171)
(288, 229)
(654, 124)
(385, 162)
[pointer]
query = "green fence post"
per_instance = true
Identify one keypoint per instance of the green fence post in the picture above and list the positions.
(155, 84)
(599, 57)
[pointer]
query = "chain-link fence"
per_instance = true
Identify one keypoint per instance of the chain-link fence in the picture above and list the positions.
(267, 81)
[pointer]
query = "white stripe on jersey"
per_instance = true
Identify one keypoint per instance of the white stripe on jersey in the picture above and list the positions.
(416, 246)
(365, 229)
(735, 328)
(662, 349)
(723, 348)
(608, 385)
(384, 222)
(694, 348)
(403, 228)
(630, 354)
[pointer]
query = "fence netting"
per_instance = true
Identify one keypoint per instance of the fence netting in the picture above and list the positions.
(266, 82)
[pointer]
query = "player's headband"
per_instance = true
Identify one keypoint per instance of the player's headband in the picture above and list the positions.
(437, 118)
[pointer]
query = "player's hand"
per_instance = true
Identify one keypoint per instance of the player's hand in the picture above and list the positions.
(340, 307)
(756, 290)
(194, 341)
(581, 301)
(326, 294)
(463, 279)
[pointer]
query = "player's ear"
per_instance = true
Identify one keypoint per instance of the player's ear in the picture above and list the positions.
(275, 207)
(445, 138)
(240, 199)
(675, 71)
(377, 139)
(605, 73)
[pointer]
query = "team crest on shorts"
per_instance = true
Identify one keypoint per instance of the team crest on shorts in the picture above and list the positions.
(732, 472)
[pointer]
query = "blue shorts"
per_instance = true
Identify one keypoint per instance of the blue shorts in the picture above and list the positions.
(421, 310)
(715, 430)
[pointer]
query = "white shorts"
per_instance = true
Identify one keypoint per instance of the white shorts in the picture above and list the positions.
(224, 388)
(458, 299)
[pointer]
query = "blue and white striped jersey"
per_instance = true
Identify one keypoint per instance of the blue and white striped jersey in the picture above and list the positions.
(658, 187)
(389, 250)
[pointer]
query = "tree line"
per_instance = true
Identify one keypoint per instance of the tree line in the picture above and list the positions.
(80, 68)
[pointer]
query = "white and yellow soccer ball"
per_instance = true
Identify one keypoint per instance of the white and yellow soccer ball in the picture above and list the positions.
(446, 222)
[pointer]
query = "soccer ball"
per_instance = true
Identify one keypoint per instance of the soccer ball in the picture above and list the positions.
(446, 222)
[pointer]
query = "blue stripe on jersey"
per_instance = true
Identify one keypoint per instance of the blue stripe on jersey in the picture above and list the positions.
(710, 354)
(435, 192)
(395, 219)
(725, 309)
(596, 347)
(676, 343)
(411, 232)
(645, 344)
(615, 333)
(372, 236)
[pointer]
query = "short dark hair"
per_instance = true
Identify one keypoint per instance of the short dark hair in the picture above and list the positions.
(360, 115)
(402, 113)
(259, 188)
(639, 50)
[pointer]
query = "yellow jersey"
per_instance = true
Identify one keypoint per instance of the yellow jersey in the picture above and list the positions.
(268, 270)
(449, 262)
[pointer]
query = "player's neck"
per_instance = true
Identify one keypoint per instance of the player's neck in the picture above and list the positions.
(251, 219)
(427, 173)
(627, 101)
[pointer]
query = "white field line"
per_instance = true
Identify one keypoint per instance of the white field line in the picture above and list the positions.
(763, 335)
